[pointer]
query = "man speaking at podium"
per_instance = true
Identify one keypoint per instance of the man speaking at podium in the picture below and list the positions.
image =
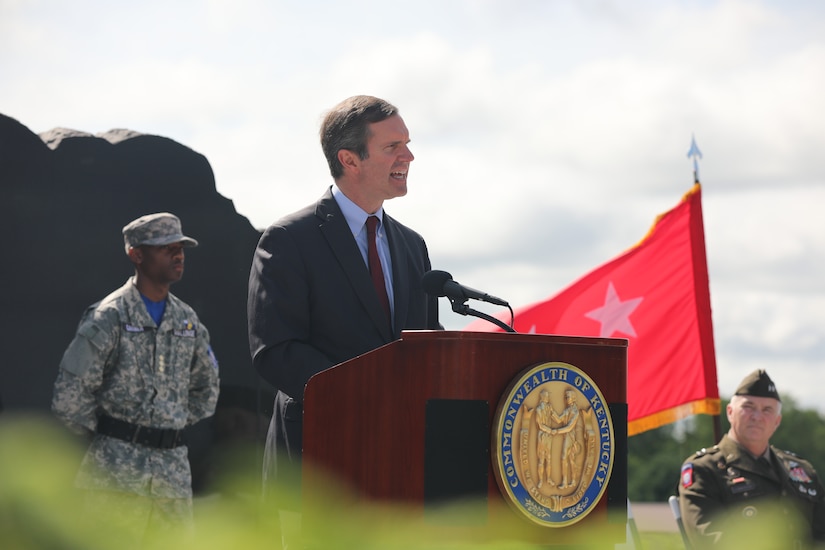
(338, 278)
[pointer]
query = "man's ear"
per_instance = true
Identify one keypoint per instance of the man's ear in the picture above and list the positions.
(348, 159)
(136, 255)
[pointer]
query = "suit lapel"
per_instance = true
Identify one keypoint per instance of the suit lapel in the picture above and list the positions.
(335, 230)
(400, 285)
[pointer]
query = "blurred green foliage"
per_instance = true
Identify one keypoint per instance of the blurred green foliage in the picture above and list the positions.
(41, 510)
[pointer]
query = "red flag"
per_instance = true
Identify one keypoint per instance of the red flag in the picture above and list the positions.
(657, 296)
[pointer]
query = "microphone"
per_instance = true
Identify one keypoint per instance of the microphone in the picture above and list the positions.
(440, 283)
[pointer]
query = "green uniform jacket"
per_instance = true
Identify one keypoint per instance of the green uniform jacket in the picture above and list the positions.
(726, 479)
(123, 365)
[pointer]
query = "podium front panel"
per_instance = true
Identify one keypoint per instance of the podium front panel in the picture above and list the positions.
(384, 425)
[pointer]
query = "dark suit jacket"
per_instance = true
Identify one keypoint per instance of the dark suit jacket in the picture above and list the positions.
(312, 305)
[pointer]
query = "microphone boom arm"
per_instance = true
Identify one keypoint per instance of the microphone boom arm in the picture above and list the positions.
(464, 309)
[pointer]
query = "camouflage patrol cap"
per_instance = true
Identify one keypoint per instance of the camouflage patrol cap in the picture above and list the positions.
(155, 230)
(758, 384)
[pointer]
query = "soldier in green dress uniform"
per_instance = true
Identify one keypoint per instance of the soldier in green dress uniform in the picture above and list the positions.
(744, 477)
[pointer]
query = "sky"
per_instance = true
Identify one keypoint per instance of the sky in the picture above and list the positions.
(548, 134)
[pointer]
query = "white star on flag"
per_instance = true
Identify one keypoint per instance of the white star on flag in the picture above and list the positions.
(614, 315)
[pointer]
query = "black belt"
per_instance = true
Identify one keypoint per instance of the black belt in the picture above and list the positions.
(158, 438)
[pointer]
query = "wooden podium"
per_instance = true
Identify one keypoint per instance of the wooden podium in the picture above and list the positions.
(410, 423)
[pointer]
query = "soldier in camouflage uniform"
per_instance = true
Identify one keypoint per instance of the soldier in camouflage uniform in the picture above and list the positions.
(138, 371)
(744, 475)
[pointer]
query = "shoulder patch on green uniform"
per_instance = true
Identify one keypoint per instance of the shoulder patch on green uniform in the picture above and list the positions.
(93, 334)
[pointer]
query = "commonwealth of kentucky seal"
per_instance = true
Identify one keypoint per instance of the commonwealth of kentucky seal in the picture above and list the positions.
(554, 444)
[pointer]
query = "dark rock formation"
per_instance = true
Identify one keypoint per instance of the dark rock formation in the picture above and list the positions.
(64, 197)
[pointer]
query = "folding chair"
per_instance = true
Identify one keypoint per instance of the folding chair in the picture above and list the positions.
(633, 537)
(673, 501)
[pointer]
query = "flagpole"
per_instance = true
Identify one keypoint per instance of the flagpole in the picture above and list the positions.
(696, 154)
(717, 427)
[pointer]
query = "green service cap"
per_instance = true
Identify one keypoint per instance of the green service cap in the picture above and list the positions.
(758, 384)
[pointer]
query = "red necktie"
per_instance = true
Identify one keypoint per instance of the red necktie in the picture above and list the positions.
(376, 272)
